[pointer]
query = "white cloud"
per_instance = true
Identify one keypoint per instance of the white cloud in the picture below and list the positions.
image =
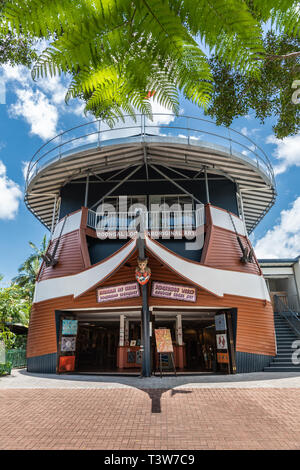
(283, 240)
(38, 112)
(247, 132)
(39, 103)
(286, 152)
(19, 74)
(42, 103)
(10, 195)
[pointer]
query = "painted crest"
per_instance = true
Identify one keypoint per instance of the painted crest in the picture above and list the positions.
(142, 272)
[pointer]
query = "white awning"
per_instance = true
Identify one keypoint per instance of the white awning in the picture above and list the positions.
(214, 280)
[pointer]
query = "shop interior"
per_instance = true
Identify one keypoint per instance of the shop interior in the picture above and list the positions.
(98, 340)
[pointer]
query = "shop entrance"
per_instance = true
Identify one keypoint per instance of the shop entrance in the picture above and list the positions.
(96, 346)
(200, 346)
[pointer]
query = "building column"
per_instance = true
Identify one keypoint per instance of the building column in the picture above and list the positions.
(179, 341)
(126, 331)
(179, 330)
(121, 350)
(122, 330)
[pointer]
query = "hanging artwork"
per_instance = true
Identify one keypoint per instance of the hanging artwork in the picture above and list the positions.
(66, 363)
(142, 272)
(69, 327)
(68, 343)
(221, 341)
(223, 358)
(220, 322)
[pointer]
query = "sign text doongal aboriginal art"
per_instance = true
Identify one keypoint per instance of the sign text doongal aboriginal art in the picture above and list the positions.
(174, 291)
(118, 292)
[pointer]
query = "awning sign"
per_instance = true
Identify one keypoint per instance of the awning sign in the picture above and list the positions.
(173, 291)
(118, 292)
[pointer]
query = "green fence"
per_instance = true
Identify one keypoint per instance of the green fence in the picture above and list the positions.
(17, 357)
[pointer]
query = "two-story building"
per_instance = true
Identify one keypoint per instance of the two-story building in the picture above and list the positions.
(192, 192)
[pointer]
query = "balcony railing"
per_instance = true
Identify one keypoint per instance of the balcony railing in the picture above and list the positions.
(157, 223)
(188, 130)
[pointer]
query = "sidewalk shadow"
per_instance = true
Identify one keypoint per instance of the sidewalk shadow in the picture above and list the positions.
(156, 394)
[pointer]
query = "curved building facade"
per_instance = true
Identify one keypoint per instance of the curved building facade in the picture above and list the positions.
(184, 196)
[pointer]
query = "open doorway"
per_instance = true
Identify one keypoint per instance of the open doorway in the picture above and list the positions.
(200, 346)
(96, 346)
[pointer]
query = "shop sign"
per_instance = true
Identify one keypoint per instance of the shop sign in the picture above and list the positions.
(220, 322)
(163, 341)
(118, 292)
(221, 341)
(223, 358)
(173, 291)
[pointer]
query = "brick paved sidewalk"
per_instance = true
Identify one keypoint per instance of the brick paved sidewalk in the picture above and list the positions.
(131, 418)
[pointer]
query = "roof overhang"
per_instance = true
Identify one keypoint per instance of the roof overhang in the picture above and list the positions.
(255, 184)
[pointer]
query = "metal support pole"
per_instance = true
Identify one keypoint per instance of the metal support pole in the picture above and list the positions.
(86, 190)
(53, 216)
(206, 187)
(116, 186)
(145, 320)
(175, 184)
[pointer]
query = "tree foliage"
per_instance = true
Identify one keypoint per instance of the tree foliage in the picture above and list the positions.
(268, 94)
(118, 50)
(16, 48)
(29, 269)
(16, 300)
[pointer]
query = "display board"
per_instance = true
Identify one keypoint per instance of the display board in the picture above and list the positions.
(220, 322)
(163, 341)
(69, 327)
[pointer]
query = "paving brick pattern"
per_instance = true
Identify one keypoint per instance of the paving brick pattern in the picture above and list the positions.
(132, 418)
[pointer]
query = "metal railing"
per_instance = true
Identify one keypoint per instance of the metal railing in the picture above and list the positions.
(162, 221)
(189, 130)
(17, 357)
(289, 315)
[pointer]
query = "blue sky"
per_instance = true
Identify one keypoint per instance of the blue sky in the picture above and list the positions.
(35, 112)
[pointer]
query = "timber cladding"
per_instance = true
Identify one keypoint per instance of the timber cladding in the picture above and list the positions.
(71, 255)
(255, 324)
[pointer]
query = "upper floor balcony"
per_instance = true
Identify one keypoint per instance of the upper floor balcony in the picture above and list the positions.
(186, 144)
(158, 224)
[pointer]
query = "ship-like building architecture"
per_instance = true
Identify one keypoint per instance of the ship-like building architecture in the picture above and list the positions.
(183, 194)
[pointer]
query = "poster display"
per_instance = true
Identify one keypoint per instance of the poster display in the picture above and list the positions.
(118, 292)
(66, 364)
(221, 341)
(223, 358)
(163, 341)
(69, 327)
(220, 322)
(173, 291)
(68, 344)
